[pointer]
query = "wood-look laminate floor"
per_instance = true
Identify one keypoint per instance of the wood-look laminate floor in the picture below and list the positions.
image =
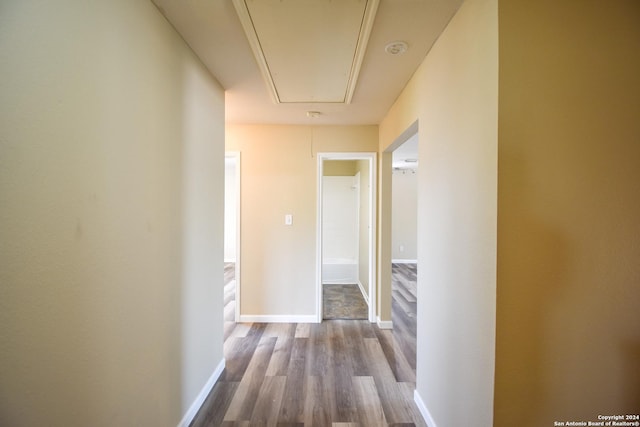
(335, 373)
(404, 308)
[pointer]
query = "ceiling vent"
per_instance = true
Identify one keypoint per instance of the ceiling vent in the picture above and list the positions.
(309, 51)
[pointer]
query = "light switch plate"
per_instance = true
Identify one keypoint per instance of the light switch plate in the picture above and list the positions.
(288, 219)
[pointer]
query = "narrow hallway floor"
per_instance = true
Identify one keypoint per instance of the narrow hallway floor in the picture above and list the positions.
(337, 371)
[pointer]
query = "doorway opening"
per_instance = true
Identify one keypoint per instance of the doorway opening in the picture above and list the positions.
(404, 247)
(231, 239)
(346, 283)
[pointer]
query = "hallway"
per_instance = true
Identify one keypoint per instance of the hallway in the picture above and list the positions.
(338, 371)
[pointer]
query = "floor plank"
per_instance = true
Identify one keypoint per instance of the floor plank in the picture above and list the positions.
(279, 363)
(369, 406)
(405, 312)
(342, 373)
(217, 403)
(303, 330)
(248, 391)
(319, 405)
(269, 400)
(346, 409)
(292, 409)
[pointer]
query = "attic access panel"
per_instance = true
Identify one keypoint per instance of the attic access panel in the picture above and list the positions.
(309, 51)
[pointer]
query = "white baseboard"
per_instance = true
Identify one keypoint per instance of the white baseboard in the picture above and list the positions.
(363, 292)
(384, 324)
(278, 318)
(339, 282)
(404, 261)
(200, 398)
(426, 415)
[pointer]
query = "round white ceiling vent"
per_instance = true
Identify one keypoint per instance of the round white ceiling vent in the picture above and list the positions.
(396, 48)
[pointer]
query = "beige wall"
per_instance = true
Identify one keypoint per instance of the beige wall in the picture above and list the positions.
(384, 224)
(111, 160)
(362, 166)
(279, 176)
(454, 96)
(568, 336)
(339, 168)
(404, 215)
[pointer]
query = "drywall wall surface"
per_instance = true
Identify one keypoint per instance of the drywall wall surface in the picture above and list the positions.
(339, 168)
(454, 97)
(340, 219)
(568, 336)
(279, 177)
(404, 215)
(384, 224)
(202, 284)
(402, 115)
(111, 160)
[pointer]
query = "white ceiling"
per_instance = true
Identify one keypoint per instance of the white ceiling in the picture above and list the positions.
(213, 30)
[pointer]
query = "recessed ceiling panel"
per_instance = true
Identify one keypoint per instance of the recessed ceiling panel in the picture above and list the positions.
(309, 51)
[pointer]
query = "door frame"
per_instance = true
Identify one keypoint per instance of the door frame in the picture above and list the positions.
(372, 158)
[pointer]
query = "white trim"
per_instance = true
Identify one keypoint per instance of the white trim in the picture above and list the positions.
(371, 7)
(337, 282)
(373, 236)
(368, 18)
(404, 261)
(254, 43)
(426, 415)
(278, 318)
(384, 324)
(373, 242)
(363, 292)
(319, 288)
(200, 398)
